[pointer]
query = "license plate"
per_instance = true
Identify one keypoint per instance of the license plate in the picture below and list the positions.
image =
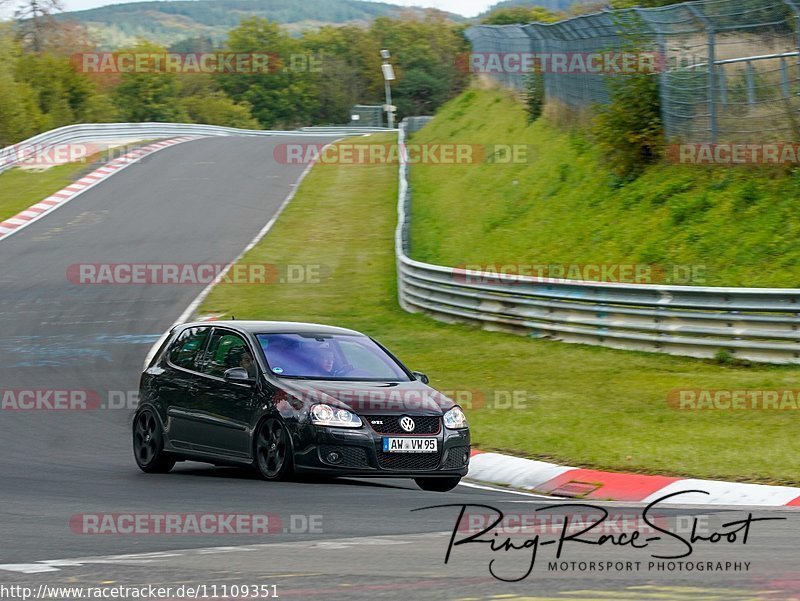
(410, 445)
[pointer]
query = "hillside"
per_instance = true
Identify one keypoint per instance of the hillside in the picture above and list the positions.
(563, 206)
(169, 22)
(554, 5)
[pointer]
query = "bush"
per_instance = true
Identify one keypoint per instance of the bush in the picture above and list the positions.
(629, 129)
(534, 95)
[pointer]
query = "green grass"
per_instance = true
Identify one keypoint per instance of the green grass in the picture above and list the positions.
(19, 188)
(564, 206)
(588, 406)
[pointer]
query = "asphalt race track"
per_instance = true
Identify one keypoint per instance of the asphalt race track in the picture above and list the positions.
(202, 202)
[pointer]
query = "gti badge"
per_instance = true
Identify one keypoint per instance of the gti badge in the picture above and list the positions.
(407, 424)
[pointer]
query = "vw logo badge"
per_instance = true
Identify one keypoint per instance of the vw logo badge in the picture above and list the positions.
(407, 424)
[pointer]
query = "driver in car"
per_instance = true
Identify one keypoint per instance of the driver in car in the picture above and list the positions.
(325, 362)
(247, 363)
(239, 356)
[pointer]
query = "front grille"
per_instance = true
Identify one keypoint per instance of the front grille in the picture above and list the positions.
(455, 458)
(351, 456)
(425, 424)
(408, 461)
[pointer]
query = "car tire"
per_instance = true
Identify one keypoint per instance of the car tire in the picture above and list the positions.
(273, 451)
(148, 444)
(438, 484)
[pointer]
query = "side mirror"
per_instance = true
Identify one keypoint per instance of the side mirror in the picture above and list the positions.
(420, 376)
(238, 375)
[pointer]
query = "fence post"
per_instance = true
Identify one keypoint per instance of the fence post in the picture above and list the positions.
(663, 80)
(712, 92)
(784, 79)
(796, 10)
(751, 93)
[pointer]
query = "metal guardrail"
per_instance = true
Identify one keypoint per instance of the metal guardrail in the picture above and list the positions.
(97, 132)
(759, 324)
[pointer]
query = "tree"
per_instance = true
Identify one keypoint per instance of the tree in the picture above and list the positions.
(340, 75)
(20, 116)
(61, 92)
(642, 3)
(425, 52)
(33, 18)
(66, 38)
(284, 96)
(217, 109)
(203, 101)
(195, 44)
(149, 96)
(521, 14)
(419, 93)
(313, 78)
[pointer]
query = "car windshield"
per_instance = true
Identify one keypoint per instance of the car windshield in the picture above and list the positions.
(329, 357)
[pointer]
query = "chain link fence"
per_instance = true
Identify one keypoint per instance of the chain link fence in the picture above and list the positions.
(729, 70)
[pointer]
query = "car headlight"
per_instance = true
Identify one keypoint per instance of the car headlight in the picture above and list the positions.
(455, 419)
(325, 415)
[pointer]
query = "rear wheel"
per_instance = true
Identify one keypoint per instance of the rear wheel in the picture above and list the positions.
(273, 451)
(148, 445)
(438, 484)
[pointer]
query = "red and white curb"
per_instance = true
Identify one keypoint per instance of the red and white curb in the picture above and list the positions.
(51, 203)
(560, 480)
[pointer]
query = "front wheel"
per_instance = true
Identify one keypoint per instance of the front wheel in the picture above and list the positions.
(148, 445)
(273, 451)
(438, 484)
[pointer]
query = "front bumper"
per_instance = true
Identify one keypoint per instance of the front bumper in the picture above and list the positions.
(359, 452)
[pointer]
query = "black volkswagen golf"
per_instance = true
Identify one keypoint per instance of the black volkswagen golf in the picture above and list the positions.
(292, 398)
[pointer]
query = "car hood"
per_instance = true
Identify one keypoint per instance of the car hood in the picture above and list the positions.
(371, 398)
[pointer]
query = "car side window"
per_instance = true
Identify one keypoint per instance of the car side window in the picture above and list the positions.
(227, 350)
(187, 347)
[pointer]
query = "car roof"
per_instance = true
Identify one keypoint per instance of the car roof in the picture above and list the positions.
(275, 327)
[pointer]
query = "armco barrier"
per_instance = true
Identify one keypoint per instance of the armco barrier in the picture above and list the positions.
(97, 132)
(759, 324)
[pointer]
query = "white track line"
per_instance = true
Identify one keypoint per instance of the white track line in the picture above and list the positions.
(510, 491)
(335, 545)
